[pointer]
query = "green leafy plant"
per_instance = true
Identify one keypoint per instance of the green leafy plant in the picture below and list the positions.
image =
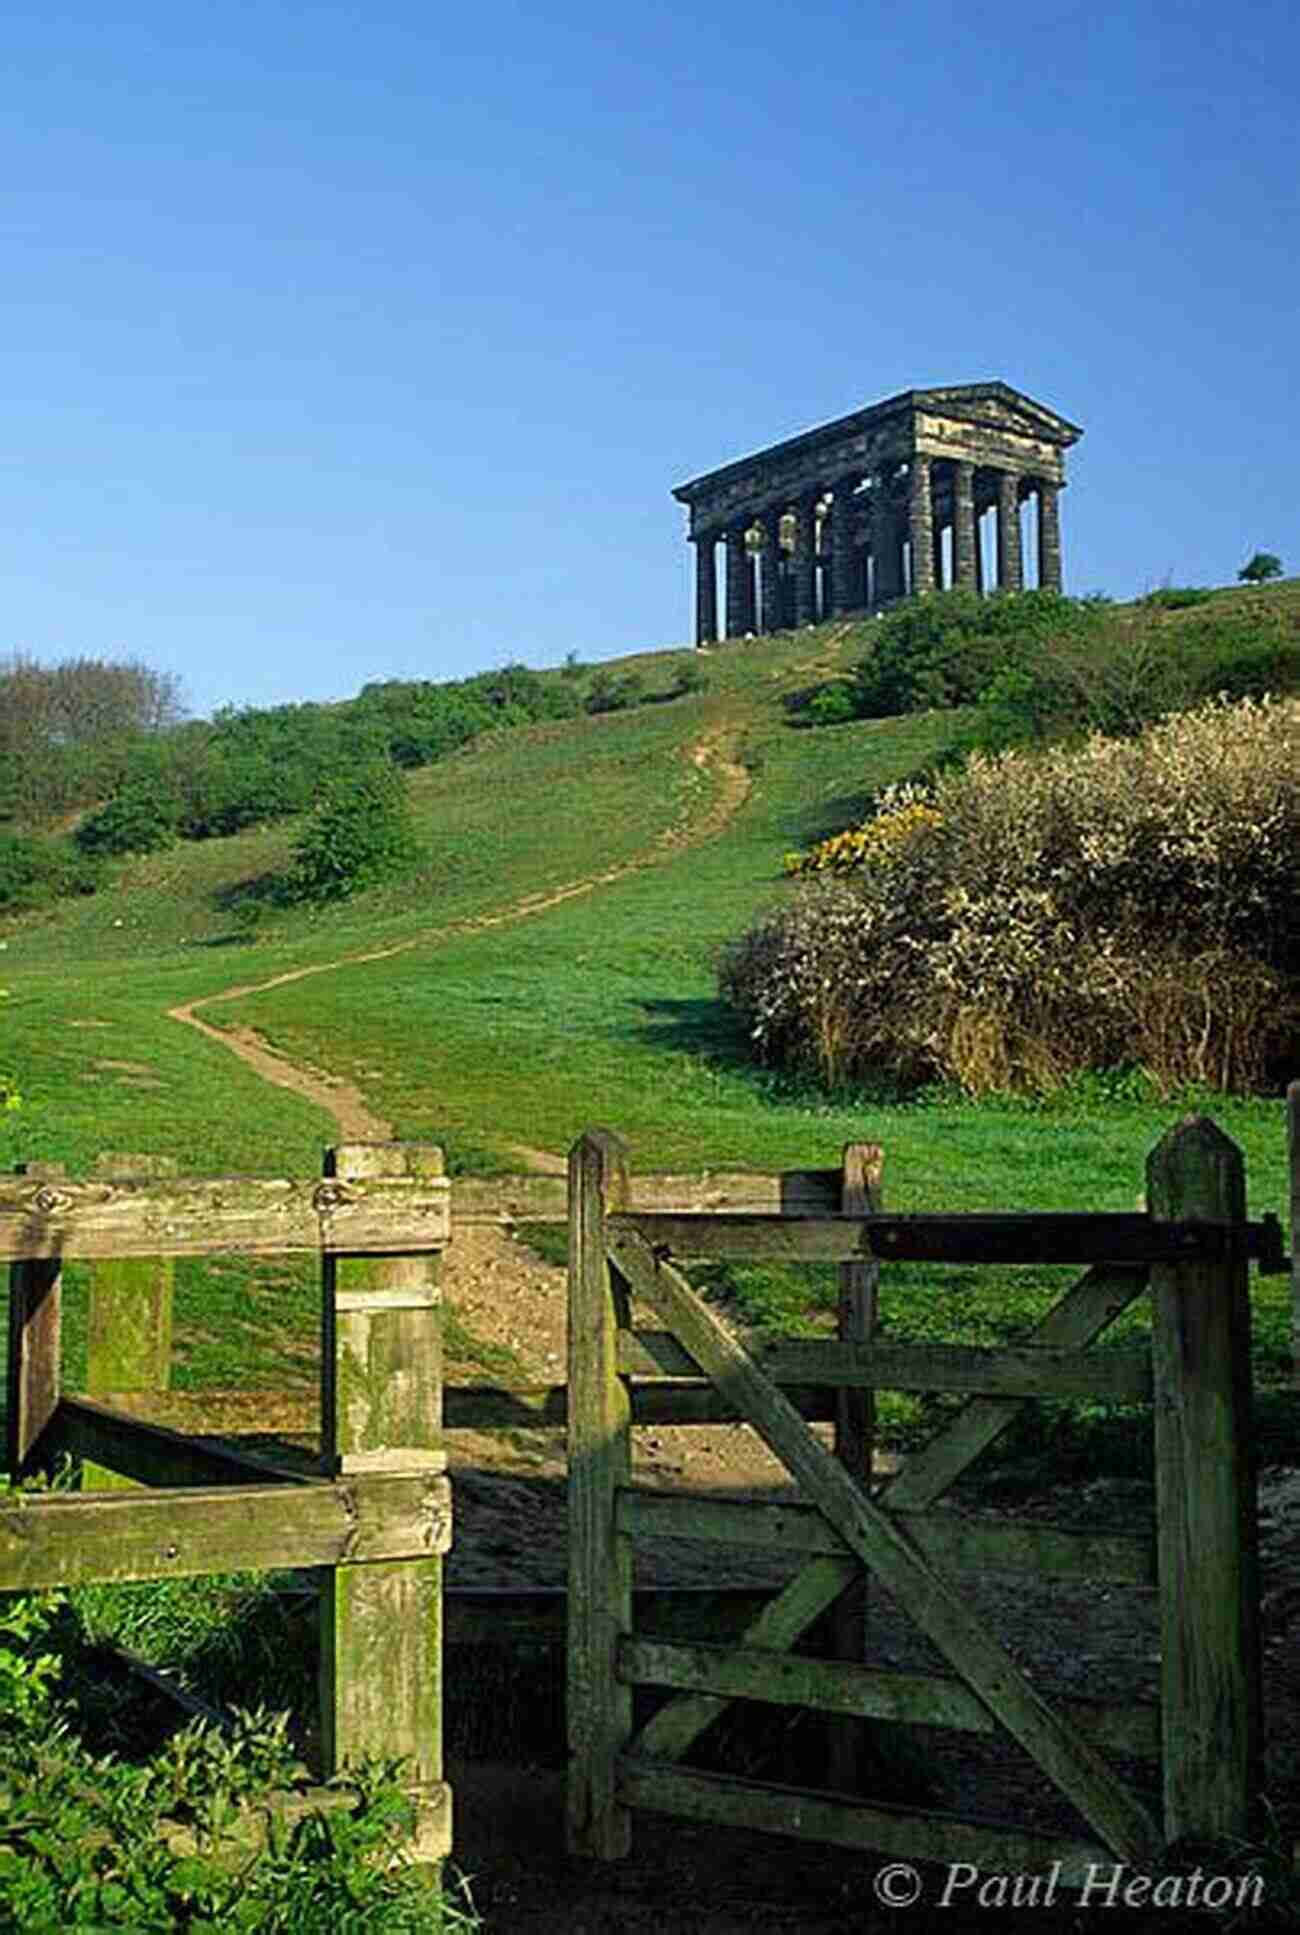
(359, 834)
(140, 819)
(1258, 569)
(1176, 597)
(88, 1840)
(36, 870)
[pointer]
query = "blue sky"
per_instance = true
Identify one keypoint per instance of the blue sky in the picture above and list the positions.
(344, 343)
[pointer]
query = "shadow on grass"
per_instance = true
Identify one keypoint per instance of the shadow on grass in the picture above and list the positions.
(716, 1040)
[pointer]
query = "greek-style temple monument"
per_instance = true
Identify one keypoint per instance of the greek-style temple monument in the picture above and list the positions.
(880, 505)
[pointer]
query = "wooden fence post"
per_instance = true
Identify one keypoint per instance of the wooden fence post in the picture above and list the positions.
(129, 1320)
(35, 1335)
(600, 1460)
(1293, 1169)
(1205, 1497)
(855, 1433)
(381, 1411)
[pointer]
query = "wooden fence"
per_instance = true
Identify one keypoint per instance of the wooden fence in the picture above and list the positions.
(1189, 1251)
(376, 1515)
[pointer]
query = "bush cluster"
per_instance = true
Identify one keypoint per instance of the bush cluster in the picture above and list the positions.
(1040, 667)
(90, 1840)
(1126, 902)
(35, 870)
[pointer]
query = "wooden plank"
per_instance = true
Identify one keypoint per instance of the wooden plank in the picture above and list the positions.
(842, 1687)
(71, 1538)
(113, 1443)
(1083, 1313)
(1026, 1370)
(35, 1330)
(294, 1412)
(862, 1166)
(508, 1200)
(34, 1344)
(937, 1607)
(668, 1734)
(1205, 1500)
(1014, 1238)
(958, 1543)
(600, 1454)
(129, 1320)
(239, 1215)
(380, 1671)
(912, 1835)
(1118, 1377)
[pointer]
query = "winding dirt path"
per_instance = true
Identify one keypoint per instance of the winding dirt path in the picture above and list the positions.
(342, 1099)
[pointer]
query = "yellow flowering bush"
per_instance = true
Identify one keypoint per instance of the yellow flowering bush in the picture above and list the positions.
(884, 838)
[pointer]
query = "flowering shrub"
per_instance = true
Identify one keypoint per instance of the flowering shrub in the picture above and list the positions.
(1127, 901)
(881, 839)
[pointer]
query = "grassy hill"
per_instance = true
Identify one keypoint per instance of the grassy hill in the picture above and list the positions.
(601, 1007)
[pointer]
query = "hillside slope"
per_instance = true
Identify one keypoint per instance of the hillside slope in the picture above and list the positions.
(550, 964)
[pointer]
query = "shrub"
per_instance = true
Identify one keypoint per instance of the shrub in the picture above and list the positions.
(1176, 597)
(944, 650)
(1130, 901)
(612, 691)
(1258, 569)
(34, 871)
(688, 676)
(831, 705)
(360, 834)
(139, 819)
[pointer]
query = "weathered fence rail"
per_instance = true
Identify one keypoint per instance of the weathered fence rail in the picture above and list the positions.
(375, 1516)
(1189, 1252)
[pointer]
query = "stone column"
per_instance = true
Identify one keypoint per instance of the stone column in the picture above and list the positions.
(1049, 534)
(938, 557)
(885, 548)
(805, 561)
(770, 605)
(1011, 576)
(965, 559)
(740, 613)
(842, 585)
(706, 588)
(920, 525)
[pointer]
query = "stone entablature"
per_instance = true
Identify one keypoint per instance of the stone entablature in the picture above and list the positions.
(853, 515)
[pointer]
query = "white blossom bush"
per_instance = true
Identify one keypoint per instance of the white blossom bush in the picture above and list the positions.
(1129, 901)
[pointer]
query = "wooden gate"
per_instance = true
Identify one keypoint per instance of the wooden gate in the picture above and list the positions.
(1190, 1250)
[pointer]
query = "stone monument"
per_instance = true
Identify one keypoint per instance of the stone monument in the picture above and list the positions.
(887, 503)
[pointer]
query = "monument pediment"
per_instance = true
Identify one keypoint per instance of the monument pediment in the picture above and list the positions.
(998, 403)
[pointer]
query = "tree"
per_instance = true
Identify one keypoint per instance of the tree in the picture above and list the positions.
(1257, 570)
(64, 729)
(358, 835)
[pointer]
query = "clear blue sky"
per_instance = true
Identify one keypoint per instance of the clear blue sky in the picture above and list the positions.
(353, 342)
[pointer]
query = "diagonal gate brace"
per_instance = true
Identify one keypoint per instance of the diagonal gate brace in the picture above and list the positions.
(884, 1548)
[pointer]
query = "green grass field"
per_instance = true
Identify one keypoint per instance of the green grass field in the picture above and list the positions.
(602, 1009)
